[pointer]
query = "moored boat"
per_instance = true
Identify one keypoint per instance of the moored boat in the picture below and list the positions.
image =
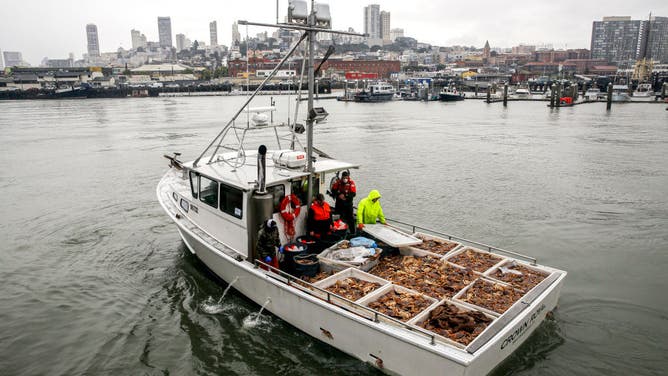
(450, 94)
(620, 93)
(376, 92)
(219, 200)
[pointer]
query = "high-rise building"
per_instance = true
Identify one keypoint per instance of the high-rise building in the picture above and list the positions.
(138, 39)
(181, 42)
(385, 26)
(93, 40)
(213, 33)
(372, 21)
(165, 31)
(13, 59)
(396, 33)
(618, 39)
(657, 45)
(236, 37)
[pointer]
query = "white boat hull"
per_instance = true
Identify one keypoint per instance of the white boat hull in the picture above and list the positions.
(392, 349)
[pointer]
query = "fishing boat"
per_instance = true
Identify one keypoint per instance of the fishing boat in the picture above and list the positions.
(593, 94)
(620, 93)
(450, 94)
(376, 92)
(522, 92)
(644, 90)
(219, 200)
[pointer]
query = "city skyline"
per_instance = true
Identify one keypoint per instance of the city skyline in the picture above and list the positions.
(566, 24)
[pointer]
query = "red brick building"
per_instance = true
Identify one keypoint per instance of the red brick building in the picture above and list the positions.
(383, 68)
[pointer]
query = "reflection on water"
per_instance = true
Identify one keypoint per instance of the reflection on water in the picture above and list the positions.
(97, 281)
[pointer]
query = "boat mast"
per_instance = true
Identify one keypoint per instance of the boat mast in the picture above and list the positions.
(309, 112)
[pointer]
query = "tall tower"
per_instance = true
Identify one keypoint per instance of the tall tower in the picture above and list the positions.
(181, 42)
(372, 21)
(93, 41)
(236, 37)
(138, 39)
(165, 31)
(213, 33)
(385, 26)
(486, 51)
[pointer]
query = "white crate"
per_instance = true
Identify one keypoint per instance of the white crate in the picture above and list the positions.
(351, 273)
(460, 295)
(508, 263)
(461, 250)
(372, 297)
(422, 236)
(419, 319)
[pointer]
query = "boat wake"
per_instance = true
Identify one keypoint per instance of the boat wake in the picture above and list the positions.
(255, 320)
(214, 307)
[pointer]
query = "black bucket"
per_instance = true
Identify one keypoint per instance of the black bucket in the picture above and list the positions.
(306, 265)
(290, 251)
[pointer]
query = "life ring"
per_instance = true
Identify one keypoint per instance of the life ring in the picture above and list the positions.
(287, 211)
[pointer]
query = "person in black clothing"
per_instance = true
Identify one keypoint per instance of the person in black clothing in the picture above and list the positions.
(344, 191)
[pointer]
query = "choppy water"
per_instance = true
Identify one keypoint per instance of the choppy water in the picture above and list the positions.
(95, 280)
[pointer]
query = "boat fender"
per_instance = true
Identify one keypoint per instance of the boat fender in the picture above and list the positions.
(290, 207)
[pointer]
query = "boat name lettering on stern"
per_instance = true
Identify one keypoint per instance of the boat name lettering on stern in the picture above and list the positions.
(520, 330)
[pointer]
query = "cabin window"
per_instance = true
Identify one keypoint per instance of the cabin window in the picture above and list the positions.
(299, 188)
(194, 184)
(277, 192)
(208, 191)
(231, 200)
(184, 205)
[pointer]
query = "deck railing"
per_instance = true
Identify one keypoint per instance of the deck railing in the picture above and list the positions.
(489, 248)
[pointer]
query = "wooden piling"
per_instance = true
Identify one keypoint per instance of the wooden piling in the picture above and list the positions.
(553, 93)
(476, 90)
(505, 95)
(608, 105)
(558, 98)
(489, 94)
(664, 90)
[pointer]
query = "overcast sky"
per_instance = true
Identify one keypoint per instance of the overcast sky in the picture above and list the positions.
(48, 28)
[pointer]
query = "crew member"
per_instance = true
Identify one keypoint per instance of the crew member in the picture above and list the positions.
(319, 217)
(369, 210)
(344, 190)
(268, 243)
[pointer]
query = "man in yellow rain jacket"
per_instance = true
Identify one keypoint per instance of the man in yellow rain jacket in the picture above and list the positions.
(369, 210)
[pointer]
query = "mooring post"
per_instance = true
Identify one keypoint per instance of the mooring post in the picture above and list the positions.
(608, 105)
(476, 90)
(558, 98)
(489, 94)
(553, 92)
(584, 90)
(664, 89)
(505, 95)
(575, 92)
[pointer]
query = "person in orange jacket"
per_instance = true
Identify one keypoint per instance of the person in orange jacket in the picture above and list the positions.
(319, 221)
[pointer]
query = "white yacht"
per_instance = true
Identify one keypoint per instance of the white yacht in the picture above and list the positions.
(620, 93)
(522, 92)
(593, 94)
(643, 91)
(219, 200)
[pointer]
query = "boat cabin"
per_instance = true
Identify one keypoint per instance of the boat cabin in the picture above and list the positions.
(223, 199)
